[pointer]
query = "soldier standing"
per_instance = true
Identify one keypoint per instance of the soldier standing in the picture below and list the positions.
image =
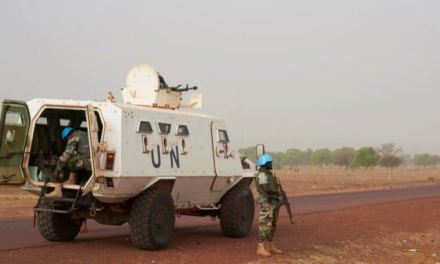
(267, 187)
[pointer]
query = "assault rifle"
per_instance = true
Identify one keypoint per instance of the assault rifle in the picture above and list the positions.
(284, 201)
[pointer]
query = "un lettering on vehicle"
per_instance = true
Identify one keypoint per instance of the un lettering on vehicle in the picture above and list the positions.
(156, 157)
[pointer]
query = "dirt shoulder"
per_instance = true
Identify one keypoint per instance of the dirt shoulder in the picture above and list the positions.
(404, 232)
(16, 203)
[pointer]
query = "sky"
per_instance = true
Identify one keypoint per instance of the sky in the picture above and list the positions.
(288, 74)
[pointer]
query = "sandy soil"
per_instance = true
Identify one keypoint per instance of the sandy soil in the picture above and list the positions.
(404, 232)
(15, 203)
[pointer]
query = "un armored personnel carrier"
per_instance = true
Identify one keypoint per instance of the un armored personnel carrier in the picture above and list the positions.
(150, 161)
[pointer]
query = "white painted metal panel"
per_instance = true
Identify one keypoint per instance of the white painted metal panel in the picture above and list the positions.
(201, 176)
(165, 159)
(227, 163)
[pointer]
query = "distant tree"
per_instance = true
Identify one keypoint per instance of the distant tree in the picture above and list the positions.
(422, 160)
(365, 157)
(306, 157)
(277, 159)
(343, 156)
(292, 158)
(390, 161)
(321, 157)
(434, 160)
(390, 155)
(389, 149)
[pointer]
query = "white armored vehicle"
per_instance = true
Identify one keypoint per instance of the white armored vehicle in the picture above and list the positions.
(150, 161)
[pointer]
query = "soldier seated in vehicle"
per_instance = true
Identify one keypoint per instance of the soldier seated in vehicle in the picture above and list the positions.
(75, 157)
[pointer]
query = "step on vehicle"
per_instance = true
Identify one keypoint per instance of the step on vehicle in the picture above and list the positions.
(150, 162)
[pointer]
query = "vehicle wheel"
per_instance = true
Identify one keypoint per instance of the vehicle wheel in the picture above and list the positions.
(56, 227)
(237, 212)
(152, 219)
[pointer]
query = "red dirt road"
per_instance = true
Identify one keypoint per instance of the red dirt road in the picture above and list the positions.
(373, 234)
(12, 231)
(398, 232)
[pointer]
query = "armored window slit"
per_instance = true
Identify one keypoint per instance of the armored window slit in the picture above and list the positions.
(182, 130)
(144, 127)
(14, 118)
(164, 128)
(223, 136)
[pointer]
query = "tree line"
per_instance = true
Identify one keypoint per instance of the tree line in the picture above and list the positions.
(387, 155)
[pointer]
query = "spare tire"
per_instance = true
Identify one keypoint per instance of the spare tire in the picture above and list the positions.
(56, 227)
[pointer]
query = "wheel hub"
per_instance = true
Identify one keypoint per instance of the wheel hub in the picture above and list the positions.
(160, 221)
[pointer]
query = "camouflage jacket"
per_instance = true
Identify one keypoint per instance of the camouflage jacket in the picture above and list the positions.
(77, 146)
(266, 177)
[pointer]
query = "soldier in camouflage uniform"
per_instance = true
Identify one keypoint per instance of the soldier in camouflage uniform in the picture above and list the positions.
(267, 187)
(76, 156)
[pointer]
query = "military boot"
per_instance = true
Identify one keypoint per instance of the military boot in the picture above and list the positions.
(71, 179)
(261, 251)
(272, 249)
(56, 193)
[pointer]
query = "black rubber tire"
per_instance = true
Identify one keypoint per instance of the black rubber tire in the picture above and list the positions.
(152, 219)
(56, 227)
(237, 212)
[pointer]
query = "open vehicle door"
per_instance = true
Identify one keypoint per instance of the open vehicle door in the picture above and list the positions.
(14, 127)
(95, 151)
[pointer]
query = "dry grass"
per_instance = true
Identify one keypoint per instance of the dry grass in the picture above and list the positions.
(316, 180)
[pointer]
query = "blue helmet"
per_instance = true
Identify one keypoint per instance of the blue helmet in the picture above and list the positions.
(66, 132)
(263, 159)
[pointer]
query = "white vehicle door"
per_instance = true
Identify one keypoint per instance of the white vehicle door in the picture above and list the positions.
(14, 127)
(223, 162)
(95, 152)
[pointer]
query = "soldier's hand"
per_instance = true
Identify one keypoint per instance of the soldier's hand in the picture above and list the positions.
(56, 174)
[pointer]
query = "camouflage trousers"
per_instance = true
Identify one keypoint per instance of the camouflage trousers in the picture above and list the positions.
(76, 163)
(268, 221)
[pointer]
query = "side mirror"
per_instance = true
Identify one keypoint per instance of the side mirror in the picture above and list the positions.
(260, 150)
